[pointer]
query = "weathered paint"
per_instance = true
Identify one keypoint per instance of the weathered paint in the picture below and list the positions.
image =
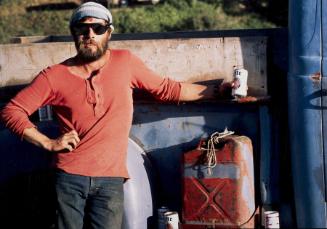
(324, 84)
(165, 131)
(306, 122)
(223, 195)
(192, 60)
(316, 77)
(229, 171)
(20, 63)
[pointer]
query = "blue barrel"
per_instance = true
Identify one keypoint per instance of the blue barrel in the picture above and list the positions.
(306, 89)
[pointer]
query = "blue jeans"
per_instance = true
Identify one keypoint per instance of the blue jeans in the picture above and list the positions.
(89, 202)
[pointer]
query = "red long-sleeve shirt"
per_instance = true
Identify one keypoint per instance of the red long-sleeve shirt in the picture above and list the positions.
(100, 110)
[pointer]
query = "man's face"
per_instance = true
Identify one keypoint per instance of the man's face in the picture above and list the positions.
(91, 38)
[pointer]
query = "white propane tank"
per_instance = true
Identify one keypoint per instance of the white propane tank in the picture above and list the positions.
(138, 201)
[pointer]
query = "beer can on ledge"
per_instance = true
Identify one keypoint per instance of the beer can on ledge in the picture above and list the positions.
(241, 75)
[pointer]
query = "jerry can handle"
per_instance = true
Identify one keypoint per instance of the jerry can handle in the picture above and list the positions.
(211, 150)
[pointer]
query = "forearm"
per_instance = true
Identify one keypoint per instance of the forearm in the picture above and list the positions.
(35, 137)
(192, 92)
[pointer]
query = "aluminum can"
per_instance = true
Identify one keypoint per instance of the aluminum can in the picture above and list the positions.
(271, 219)
(241, 75)
(162, 223)
(172, 220)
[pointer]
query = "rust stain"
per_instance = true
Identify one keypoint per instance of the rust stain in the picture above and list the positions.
(31, 55)
(225, 193)
(247, 99)
(316, 76)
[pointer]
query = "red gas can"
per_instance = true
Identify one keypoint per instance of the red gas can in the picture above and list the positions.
(220, 195)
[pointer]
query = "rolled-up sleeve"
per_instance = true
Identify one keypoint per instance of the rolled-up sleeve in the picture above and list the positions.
(161, 88)
(15, 114)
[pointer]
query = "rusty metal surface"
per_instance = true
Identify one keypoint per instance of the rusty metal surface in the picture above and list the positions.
(224, 197)
(306, 111)
(192, 60)
(164, 131)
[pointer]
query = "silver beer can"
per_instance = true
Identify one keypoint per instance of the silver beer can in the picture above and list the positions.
(172, 220)
(241, 75)
(271, 219)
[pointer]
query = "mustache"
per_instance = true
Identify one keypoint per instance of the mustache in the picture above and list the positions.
(87, 42)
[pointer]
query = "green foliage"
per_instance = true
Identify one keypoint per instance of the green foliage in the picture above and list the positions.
(202, 17)
(171, 15)
(176, 15)
(178, 4)
(34, 23)
(148, 19)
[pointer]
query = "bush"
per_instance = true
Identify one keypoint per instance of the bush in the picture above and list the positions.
(201, 17)
(34, 23)
(172, 15)
(149, 19)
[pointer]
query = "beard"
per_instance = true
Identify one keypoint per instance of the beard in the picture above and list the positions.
(87, 54)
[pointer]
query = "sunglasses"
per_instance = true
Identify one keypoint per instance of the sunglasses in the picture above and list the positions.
(84, 28)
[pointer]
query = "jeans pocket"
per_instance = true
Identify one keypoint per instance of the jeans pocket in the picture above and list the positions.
(111, 187)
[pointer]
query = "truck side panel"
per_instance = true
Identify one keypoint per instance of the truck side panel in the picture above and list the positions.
(305, 112)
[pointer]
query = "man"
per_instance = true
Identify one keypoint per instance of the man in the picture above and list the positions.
(91, 94)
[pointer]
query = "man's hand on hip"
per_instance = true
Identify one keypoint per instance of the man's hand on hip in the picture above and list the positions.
(67, 141)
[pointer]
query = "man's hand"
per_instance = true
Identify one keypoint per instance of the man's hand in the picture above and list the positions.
(224, 90)
(67, 141)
